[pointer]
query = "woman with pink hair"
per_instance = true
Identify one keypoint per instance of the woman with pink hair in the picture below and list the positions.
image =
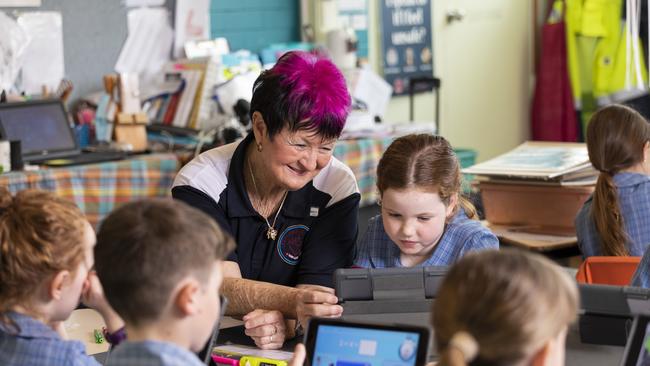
(290, 205)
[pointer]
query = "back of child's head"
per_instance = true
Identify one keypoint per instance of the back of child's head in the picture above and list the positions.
(505, 305)
(616, 136)
(425, 162)
(144, 249)
(40, 235)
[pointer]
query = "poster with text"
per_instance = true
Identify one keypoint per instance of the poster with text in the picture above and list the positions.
(406, 42)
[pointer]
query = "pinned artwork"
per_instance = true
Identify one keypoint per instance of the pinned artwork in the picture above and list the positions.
(20, 3)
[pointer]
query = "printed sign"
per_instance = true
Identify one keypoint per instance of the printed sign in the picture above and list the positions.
(406, 41)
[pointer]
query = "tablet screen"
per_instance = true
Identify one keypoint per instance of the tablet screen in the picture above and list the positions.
(346, 346)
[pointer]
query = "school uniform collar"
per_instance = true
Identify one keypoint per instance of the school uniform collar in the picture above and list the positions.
(627, 179)
(29, 327)
(444, 239)
(239, 204)
(298, 202)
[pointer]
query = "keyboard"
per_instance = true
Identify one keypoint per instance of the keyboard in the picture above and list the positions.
(83, 158)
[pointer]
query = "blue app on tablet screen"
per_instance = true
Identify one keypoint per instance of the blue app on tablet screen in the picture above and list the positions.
(345, 346)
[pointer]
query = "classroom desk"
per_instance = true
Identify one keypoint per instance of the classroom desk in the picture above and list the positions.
(577, 353)
(554, 246)
(362, 156)
(81, 325)
(99, 188)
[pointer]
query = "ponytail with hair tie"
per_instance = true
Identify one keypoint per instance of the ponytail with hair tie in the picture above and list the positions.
(607, 216)
(462, 349)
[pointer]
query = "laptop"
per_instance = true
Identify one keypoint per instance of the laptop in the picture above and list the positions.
(345, 343)
(45, 133)
(637, 350)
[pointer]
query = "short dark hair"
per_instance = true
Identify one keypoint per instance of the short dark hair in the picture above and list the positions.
(144, 248)
(305, 91)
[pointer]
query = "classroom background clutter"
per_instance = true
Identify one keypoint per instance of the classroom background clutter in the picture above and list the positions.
(324, 182)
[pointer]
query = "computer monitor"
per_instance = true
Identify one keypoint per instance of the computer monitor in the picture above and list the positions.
(42, 127)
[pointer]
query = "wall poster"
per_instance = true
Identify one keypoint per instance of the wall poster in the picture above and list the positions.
(406, 41)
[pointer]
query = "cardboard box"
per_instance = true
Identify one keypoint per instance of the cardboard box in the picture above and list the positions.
(132, 129)
(547, 209)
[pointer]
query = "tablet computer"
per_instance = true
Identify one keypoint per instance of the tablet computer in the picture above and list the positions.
(637, 350)
(413, 283)
(343, 343)
(606, 312)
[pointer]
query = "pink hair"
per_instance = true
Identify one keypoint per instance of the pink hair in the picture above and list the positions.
(316, 90)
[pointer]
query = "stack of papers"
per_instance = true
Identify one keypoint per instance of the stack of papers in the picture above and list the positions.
(545, 163)
(361, 129)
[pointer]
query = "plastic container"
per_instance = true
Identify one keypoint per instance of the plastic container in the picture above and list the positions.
(544, 209)
(467, 158)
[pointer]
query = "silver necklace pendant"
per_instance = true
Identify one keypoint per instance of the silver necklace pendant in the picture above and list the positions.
(271, 233)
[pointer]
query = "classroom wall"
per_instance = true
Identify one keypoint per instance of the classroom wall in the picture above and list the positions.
(254, 24)
(93, 34)
(489, 134)
(398, 109)
(481, 108)
(94, 31)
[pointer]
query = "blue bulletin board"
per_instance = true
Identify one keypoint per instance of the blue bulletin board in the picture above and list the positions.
(406, 41)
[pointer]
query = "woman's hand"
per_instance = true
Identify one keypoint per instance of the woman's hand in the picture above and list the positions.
(317, 301)
(92, 296)
(266, 327)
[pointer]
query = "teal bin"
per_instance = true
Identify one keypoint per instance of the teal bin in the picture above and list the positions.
(467, 158)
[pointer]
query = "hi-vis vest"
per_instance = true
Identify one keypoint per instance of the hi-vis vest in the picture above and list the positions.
(596, 48)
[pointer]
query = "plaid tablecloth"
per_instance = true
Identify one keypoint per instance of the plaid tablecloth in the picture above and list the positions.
(362, 156)
(99, 188)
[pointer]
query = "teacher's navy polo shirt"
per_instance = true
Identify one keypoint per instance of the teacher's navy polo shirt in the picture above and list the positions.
(317, 226)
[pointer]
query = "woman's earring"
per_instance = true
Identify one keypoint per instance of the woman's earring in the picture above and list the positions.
(259, 147)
